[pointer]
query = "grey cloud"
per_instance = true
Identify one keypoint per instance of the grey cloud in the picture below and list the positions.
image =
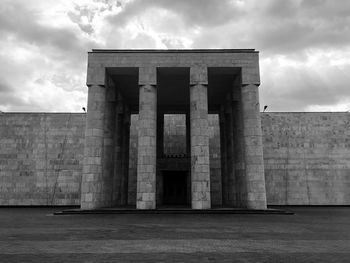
(77, 16)
(4, 88)
(14, 102)
(172, 43)
(89, 12)
(9, 98)
(65, 81)
(18, 21)
(193, 12)
(273, 26)
(291, 27)
(142, 40)
(281, 9)
(281, 27)
(296, 89)
(326, 9)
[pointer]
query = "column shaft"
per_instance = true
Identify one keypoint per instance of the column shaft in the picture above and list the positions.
(160, 154)
(239, 157)
(92, 178)
(146, 163)
(160, 134)
(231, 180)
(200, 172)
(125, 157)
(118, 149)
(188, 134)
(108, 148)
(223, 151)
(254, 163)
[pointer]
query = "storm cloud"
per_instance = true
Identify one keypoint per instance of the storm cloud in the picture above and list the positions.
(304, 45)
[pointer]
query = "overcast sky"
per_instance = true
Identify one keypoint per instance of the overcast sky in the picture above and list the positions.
(304, 45)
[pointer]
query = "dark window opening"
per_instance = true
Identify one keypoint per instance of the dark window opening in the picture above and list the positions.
(175, 187)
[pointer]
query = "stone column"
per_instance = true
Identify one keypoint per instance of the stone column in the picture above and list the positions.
(160, 134)
(146, 163)
(231, 180)
(108, 145)
(188, 134)
(223, 148)
(254, 163)
(118, 149)
(125, 155)
(200, 172)
(92, 177)
(238, 141)
(160, 154)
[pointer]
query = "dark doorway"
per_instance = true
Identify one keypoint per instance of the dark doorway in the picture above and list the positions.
(174, 187)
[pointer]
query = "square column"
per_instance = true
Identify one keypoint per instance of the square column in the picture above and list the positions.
(238, 141)
(223, 153)
(160, 134)
(121, 153)
(118, 148)
(160, 154)
(108, 145)
(188, 134)
(92, 185)
(200, 172)
(147, 149)
(253, 148)
(230, 152)
(125, 155)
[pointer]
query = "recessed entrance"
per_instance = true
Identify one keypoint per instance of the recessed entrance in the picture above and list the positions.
(174, 187)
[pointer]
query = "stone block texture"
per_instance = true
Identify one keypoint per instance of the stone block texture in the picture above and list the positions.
(147, 148)
(306, 158)
(229, 191)
(41, 158)
(200, 171)
(120, 142)
(94, 181)
(253, 148)
(175, 134)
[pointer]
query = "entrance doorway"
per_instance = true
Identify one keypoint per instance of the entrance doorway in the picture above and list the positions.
(175, 188)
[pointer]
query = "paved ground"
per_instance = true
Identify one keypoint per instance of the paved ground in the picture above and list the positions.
(311, 235)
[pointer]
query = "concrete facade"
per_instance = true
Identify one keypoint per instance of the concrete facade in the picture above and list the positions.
(306, 157)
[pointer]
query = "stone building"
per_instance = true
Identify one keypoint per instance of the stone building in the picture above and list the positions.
(152, 83)
(306, 156)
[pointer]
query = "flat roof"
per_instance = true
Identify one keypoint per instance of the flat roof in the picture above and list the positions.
(174, 51)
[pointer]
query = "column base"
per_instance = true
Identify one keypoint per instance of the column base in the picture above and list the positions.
(201, 204)
(145, 205)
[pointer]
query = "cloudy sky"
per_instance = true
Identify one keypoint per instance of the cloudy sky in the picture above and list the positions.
(304, 45)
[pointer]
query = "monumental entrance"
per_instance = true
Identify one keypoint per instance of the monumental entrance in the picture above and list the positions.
(152, 83)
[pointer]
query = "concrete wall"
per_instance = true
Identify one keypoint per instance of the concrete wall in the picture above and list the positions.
(307, 157)
(41, 158)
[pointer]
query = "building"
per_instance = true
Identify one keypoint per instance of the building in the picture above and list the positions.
(174, 128)
(152, 83)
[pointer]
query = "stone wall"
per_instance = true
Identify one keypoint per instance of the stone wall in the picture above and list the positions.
(41, 158)
(307, 157)
(174, 134)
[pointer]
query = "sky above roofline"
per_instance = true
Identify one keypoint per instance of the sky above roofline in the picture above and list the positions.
(304, 46)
